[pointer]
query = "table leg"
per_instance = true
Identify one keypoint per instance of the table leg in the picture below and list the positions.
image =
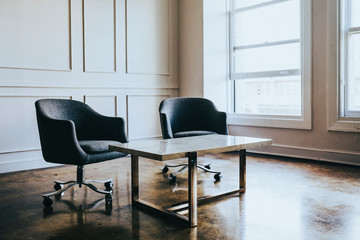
(134, 178)
(192, 190)
(242, 169)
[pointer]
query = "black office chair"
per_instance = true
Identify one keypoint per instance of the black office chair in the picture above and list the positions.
(190, 116)
(73, 133)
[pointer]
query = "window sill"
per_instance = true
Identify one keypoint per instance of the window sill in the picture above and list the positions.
(271, 122)
(344, 126)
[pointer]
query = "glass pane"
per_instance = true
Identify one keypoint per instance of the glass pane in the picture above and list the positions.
(353, 83)
(269, 96)
(354, 12)
(247, 3)
(274, 22)
(271, 58)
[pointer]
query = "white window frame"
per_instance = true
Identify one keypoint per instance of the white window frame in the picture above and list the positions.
(339, 119)
(296, 122)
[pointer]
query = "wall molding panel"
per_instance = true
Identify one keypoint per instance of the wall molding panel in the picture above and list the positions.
(18, 124)
(86, 44)
(148, 45)
(99, 35)
(143, 110)
(104, 104)
(78, 49)
(23, 42)
(20, 144)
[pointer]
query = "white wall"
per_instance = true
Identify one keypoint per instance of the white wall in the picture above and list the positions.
(216, 77)
(191, 64)
(118, 56)
(203, 58)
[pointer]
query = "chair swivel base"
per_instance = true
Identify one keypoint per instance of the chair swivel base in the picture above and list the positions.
(60, 187)
(205, 167)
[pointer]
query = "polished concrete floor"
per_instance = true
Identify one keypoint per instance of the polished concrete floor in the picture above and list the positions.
(285, 199)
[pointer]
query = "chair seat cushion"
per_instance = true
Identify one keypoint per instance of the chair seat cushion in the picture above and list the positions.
(96, 146)
(192, 133)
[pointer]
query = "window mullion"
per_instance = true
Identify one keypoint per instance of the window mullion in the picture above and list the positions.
(260, 5)
(267, 44)
(354, 30)
(279, 73)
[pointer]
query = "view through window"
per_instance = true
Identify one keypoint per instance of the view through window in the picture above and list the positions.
(350, 60)
(266, 57)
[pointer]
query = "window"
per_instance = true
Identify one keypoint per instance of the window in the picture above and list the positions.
(270, 63)
(350, 59)
(344, 68)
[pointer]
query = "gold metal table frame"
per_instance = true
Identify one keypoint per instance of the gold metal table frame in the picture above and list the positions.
(190, 148)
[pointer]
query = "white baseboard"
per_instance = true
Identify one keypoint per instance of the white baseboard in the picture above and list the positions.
(326, 155)
(27, 160)
(28, 165)
(23, 160)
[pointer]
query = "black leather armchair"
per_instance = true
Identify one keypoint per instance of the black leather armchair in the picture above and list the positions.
(73, 133)
(190, 116)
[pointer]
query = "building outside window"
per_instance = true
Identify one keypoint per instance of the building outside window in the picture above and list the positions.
(270, 63)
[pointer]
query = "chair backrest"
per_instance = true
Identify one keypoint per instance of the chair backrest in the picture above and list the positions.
(63, 109)
(189, 114)
(63, 123)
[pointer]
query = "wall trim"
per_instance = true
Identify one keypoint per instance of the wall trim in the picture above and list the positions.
(324, 155)
(23, 160)
(29, 160)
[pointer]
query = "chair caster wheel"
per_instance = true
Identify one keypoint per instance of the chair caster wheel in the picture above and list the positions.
(108, 209)
(58, 196)
(207, 166)
(108, 199)
(48, 211)
(217, 177)
(47, 201)
(108, 186)
(172, 179)
(58, 186)
(165, 169)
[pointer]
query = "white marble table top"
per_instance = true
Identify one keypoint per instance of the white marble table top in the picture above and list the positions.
(179, 147)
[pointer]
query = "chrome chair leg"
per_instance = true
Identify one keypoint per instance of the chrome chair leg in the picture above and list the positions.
(205, 167)
(98, 181)
(63, 183)
(60, 187)
(108, 183)
(172, 176)
(61, 190)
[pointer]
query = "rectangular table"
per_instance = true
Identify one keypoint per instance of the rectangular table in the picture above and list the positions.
(191, 148)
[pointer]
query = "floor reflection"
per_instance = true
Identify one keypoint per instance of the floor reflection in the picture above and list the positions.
(284, 199)
(326, 218)
(80, 210)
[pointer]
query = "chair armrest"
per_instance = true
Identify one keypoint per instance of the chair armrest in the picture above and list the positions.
(165, 126)
(220, 122)
(59, 142)
(108, 128)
